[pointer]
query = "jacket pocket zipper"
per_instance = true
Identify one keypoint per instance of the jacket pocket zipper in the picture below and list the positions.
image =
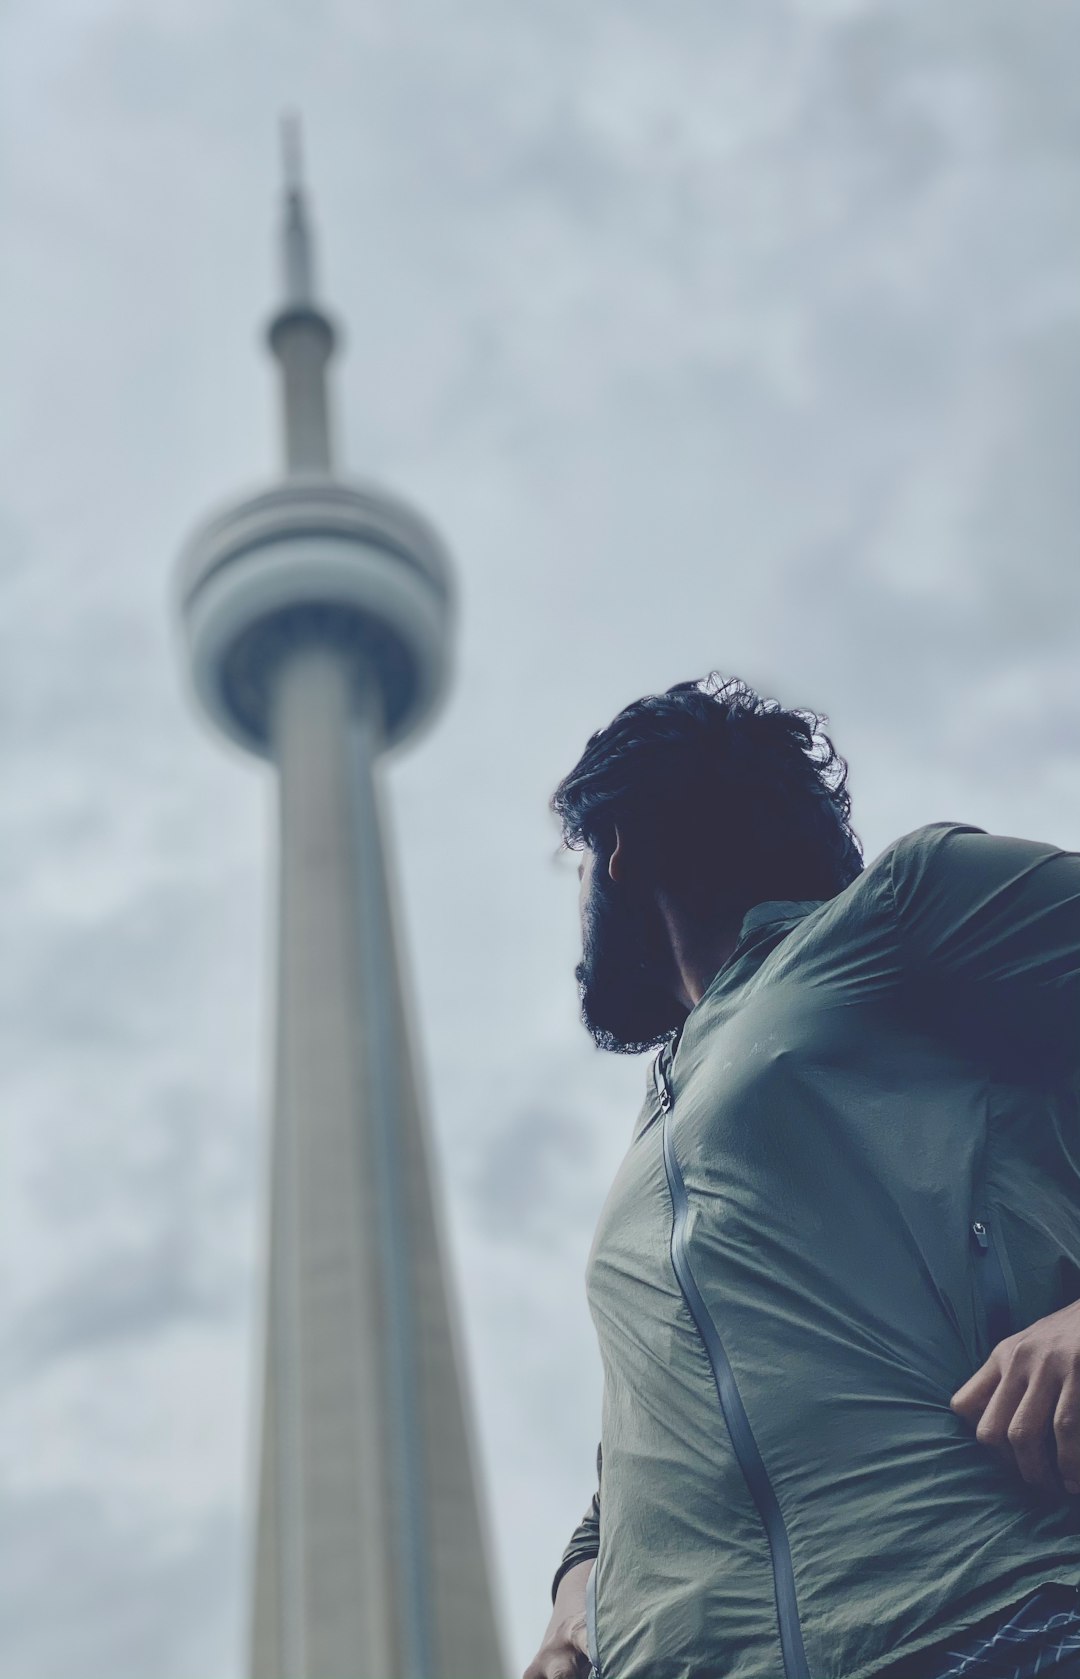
(990, 1275)
(734, 1412)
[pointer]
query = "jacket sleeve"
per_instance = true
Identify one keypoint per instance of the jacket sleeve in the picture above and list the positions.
(585, 1539)
(989, 941)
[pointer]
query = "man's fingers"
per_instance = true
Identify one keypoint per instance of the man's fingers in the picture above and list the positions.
(1029, 1431)
(1025, 1401)
(971, 1400)
(1067, 1435)
(993, 1425)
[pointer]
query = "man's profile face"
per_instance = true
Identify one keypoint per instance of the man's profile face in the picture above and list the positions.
(627, 1003)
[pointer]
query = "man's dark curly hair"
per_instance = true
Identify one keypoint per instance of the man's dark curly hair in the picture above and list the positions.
(730, 799)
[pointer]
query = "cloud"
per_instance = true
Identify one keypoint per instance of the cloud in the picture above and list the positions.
(113, 1595)
(745, 339)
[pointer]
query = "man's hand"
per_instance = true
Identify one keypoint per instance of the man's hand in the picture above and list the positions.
(563, 1652)
(1025, 1401)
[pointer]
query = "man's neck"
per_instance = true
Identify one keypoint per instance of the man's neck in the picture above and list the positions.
(699, 949)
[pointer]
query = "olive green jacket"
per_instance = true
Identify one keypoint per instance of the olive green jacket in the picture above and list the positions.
(856, 1170)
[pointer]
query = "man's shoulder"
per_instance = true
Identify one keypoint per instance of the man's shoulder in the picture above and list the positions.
(910, 854)
(957, 873)
(924, 844)
(912, 861)
(907, 871)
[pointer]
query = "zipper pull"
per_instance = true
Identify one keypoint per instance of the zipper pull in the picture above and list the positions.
(663, 1089)
(981, 1235)
(672, 1047)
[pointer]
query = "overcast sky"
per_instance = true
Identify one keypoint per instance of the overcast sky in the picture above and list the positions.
(739, 335)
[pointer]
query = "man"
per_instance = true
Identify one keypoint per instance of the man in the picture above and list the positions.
(834, 1280)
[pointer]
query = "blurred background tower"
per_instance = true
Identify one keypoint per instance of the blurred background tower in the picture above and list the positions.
(317, 618)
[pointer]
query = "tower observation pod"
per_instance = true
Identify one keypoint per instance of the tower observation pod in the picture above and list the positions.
(317, 617)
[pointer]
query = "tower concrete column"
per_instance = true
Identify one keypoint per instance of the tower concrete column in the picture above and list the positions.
(303, 343)
(326, 1479)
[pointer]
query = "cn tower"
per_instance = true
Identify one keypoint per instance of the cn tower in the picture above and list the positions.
(317, 618)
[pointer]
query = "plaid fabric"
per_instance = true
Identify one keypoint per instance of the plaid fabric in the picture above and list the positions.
(1041, 1636)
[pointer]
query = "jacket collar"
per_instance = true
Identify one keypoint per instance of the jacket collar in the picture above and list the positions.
(763, 928)
(774, 911)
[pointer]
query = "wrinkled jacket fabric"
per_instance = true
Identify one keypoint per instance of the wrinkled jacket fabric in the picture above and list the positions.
(855, 1171)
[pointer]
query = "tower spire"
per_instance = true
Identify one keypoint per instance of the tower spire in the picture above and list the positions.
(301, 336)
(298, 263)
(291, 151)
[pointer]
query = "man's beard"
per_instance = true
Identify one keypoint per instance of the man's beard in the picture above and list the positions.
(625, 1004)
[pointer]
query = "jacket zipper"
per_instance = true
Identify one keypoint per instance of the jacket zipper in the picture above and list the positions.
(993, 1288)
(731, 1405)
(590, 1624)
(663, 1097)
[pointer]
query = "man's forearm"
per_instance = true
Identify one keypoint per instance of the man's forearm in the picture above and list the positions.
(583, 1547)
(563, 1652)
(585, 1540)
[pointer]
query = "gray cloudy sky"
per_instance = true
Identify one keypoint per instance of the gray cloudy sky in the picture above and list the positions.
(741, 335)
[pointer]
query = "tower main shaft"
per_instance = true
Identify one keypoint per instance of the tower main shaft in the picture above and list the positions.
(323, 1561)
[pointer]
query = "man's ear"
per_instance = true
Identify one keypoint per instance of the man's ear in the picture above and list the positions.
(617, 861)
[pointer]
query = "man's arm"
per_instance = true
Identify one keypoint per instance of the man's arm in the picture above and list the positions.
(989, 932)
(584, 1542)
(990, 939)
(563, 1652)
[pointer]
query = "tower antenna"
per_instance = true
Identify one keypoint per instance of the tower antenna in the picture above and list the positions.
(302, 335)
(299, 261)
(292, 151)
